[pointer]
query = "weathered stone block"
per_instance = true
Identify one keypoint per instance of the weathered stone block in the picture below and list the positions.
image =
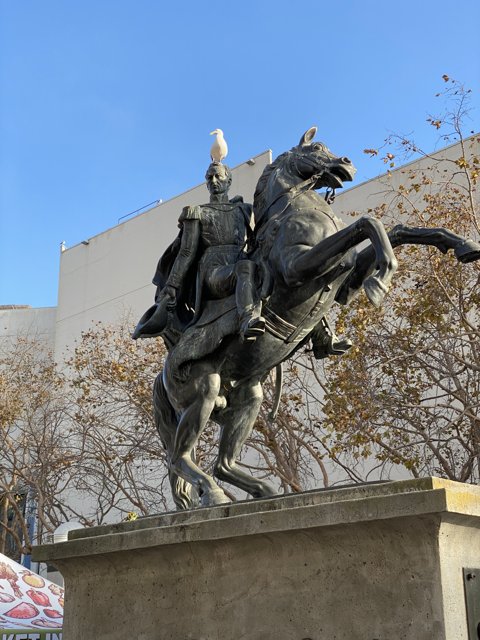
(372, 562)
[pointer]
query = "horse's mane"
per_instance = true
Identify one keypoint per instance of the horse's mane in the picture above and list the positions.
(260, 202)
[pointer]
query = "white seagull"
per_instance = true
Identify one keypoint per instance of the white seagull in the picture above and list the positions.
(219, 148)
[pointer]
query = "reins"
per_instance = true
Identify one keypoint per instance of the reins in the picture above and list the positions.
(298, 189)
(291, 194)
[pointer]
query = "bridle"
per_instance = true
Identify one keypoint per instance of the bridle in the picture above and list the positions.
(299, 188)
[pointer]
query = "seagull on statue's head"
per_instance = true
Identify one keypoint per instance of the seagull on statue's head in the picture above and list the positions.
(219, 148)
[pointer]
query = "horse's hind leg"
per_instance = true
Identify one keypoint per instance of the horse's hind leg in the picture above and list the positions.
(198, 404)
(184, 495)
(237, 421)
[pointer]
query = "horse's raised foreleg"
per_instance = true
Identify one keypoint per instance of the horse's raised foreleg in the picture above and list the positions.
(465, 251)
(330, 252)
(237, 421)
(203, 392)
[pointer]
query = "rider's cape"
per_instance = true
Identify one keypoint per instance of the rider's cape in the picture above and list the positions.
(165, 263)
(189, 307)
(155, 319)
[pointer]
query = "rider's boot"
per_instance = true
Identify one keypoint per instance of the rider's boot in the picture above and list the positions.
(325, 343)
(252, 324)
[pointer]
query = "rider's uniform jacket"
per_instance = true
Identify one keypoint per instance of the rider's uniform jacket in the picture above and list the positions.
(217, 236)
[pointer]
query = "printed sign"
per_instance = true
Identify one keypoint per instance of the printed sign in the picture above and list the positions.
(28, 634)
(28, 601)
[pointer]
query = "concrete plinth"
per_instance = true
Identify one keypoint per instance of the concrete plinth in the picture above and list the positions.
(374, 562)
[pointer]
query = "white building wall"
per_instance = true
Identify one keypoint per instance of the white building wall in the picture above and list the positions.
(111, 275)
(35, 323)
(383, 188)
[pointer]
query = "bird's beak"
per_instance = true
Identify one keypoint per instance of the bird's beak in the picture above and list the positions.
(213, 132)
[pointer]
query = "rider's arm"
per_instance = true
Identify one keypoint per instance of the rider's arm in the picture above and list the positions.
(249, 225)
(190, 221)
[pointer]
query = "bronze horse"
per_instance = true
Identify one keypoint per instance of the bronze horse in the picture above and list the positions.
(308, 261)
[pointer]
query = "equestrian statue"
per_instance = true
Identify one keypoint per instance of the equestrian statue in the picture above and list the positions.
(239, 291)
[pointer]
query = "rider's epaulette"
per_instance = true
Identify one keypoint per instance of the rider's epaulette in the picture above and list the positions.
(190, 213)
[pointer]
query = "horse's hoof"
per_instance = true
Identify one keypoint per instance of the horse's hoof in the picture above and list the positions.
(262, 489)
(467, 251)
(375, 290)
(214, 497)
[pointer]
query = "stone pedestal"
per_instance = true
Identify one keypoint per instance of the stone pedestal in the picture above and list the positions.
(373, 562)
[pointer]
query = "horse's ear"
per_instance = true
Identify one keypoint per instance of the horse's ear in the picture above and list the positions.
(308, 136)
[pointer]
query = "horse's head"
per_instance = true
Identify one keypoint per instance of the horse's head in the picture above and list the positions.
(309, 165)
(314, 161)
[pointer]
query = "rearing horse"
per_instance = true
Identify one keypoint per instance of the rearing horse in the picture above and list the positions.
(308, 261)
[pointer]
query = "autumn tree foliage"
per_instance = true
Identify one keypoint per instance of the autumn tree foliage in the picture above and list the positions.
(122, 468)
(35, 454)
(78, 437)
(79, 440)
(408, 393)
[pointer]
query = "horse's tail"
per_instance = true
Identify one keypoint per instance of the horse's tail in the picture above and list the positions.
(166, 423)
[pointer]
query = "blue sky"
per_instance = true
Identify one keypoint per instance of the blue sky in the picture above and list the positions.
(106, 105)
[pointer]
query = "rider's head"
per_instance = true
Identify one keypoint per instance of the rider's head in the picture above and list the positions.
(219, 178)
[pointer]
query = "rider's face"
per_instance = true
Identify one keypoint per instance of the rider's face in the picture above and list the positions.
(217, 181)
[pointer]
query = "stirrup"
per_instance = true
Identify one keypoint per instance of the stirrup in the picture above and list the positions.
(252, 328)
